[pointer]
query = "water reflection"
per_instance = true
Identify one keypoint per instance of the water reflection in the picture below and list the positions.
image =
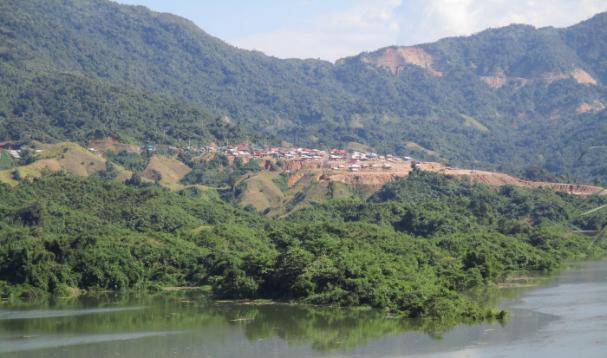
(50, 313)
(324, 329)
(188, 325)
(72, 322)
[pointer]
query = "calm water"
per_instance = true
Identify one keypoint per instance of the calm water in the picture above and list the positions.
(565, 318)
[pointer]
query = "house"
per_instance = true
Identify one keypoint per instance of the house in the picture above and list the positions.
(16, 154)
(354, 168)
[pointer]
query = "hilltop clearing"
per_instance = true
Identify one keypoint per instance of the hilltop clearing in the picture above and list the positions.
(69, 157)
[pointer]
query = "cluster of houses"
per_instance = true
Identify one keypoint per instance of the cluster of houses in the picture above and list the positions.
(357, 161)
(335, 159)
(246, 150)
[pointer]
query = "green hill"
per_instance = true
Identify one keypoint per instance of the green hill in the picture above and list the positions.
(539, 93)
(56, 106)
(412, 248)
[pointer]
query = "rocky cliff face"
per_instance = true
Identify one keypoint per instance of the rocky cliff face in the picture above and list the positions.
(395, 59)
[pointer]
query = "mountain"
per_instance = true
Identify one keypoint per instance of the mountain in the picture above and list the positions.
(54, 106)
(501, 99)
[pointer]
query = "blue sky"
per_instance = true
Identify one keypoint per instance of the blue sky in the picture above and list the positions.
(331, 29)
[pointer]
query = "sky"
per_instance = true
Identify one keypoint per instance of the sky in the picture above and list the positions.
(332, 29)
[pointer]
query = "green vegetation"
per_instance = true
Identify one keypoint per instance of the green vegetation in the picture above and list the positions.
(325, 329)
(71, 70)
(55, 106)
(414, 247)
(282, 182)
(219, 171)
(6, 161)
(131, 161)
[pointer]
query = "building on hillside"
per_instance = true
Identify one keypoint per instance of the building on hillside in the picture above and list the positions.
(14, 153)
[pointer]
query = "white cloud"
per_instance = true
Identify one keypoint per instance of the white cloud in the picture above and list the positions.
(367, 25)
(371, 24)
(442, 18)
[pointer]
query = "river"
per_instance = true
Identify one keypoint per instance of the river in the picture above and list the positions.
(566, 317)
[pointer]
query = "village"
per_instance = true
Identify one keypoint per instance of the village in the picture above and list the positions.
(333, 159)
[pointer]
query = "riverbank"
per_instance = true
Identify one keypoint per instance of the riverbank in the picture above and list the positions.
(412, 249)
(563, 317)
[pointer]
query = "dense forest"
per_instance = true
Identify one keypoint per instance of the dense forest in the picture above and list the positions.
(414, 247)
(501, 99)
(47, 107)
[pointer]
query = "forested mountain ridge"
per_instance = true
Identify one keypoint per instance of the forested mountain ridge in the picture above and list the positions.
(500, 99)
(50, 106)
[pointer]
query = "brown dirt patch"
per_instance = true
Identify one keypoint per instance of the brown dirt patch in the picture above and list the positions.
(168, 169)
(496, 81)
(500, 179)
(582, 77)
(579, 75)
(395, 59)
(595, 106)
(110, 144)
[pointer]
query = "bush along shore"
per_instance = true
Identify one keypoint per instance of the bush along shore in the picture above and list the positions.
(413, 248)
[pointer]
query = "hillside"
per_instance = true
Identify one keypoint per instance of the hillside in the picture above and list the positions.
(54, 106)
(305, 186)
(413, 248)
(274, 187)
(501, 99)
(67, 157)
